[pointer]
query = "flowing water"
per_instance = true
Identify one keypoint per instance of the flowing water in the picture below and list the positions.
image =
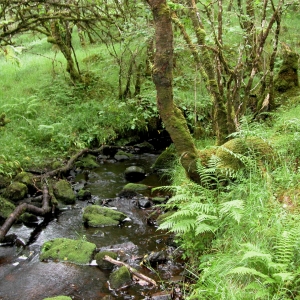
(24, 277)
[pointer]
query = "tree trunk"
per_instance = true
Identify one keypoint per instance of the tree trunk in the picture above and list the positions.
(162, 78)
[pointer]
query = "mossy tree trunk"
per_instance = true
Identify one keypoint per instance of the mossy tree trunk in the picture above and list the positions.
(163, 77)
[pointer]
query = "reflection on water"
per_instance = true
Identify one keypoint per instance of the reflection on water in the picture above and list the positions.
(24, 277)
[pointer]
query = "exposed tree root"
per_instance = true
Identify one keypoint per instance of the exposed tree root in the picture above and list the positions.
(25, 207)
(131, 270)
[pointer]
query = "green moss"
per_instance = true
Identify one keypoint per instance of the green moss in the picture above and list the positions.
(165, 159)
(87, 162)
(103, 264)
(62, 249)
(135, 187)
(120, 278)
(24, 177)
(98, 216)
(16, 191)
(62, 191)
(6, 208)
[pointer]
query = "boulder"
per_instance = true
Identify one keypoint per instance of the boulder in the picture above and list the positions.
(98, 216)
(84, 194)
(6, 208)
(103, 264)
(165, 159)
(120, 278)
(68, 250)
(122, 155)
(145, 147)
(4, 182)
(63, 192)
(134, 174)
(16, 191)
(26, 178)
(87, 162)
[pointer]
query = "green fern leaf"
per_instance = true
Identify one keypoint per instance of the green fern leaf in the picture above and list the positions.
(254, 254)
(204, 228)
(250, 272)
(234, 209)
(283, 277)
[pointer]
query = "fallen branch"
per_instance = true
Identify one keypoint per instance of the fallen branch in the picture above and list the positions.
(25, 207)
(132, 270)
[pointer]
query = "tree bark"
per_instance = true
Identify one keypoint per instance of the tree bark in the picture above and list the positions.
(163, 78)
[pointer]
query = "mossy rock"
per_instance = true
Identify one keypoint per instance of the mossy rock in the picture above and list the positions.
(120, 278)
(4, 181)
(165, 159)
(87, 162)
(28, 218)
(122, 155)
(103, 264)
(205, 155)
(135, 187)
(84, 194)
(6, 208)
(63, 192)
(59, 298)
(24, 177)
(76, 251)
(235, 152)
(98, 216)
(16, 191)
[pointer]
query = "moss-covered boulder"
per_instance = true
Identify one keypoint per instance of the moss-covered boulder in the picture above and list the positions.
(103, 264)
(98, 216)
(62, 249)
(84, 194)
(87, 162)
(135, 187)
(24, 177)
(6, 208)
(122, 155)
(165, 159)
(236, 153)
(4, 182)
(28, 218)
(59, 298)
(16, 191)
(120, 278)
(63, 192)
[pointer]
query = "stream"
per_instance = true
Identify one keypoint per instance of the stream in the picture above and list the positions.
(24, 277)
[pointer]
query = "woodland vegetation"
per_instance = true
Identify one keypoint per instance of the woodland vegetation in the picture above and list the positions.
(220, 76)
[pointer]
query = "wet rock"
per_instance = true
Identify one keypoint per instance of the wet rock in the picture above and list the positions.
(6, 208)
(62, 249)
(28, 218)
(84, 194)
(134, 174)
(109, 151)
(98, 216)
(144, 203)
(120, 278)
(122, 155)
(103, 264)
(9, 240)
(144, 147)
(128, 246)
(155, 258)
(16, 191)
(165, 295)
(63, 192)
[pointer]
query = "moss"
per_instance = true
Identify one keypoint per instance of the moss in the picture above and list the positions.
(63, 192)
(4, 181)
(120, 278)
(98, 216)
(103, 264)
(16, 191)
(62, 249)
(205, 155)
(232, 152)
(24, 177)
(58, 298)
(135, 187)
(28, 218)
(6, 208)
(87, 162)
(165, 159)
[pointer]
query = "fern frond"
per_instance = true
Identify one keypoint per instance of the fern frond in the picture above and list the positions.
(234, 209)
(257, 255)
(283, 277)
(204, 228)
(183, 226)
(250, 272)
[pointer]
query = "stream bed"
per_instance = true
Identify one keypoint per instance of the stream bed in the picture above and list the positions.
(24, 277)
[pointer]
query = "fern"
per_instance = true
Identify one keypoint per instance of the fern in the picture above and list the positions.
(234, 209)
